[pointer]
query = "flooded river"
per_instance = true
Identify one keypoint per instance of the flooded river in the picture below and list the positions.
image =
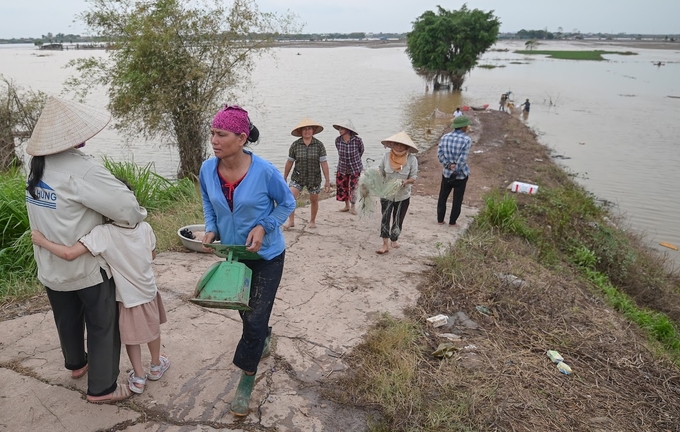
(611, 121)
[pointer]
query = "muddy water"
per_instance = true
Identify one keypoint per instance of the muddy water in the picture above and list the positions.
(611, 121)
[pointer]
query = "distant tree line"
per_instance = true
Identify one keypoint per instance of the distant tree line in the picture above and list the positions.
(52, 38)
(74, 38)
(535, 34)
(576, 34)
(522, 34)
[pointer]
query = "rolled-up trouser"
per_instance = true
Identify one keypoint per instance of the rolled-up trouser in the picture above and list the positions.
(95, 309)
(263, 287)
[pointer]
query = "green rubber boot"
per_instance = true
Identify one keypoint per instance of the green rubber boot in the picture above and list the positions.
(266, 352)
(239, 407)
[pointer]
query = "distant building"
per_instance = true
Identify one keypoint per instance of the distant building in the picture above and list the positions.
(52, 46)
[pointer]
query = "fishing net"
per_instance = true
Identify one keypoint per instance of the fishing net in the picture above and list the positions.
(372, 186)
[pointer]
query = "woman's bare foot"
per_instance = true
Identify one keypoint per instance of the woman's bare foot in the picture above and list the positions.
(287, 226)
(78, 373)
(343, 210)
(395, 245)
(383, 250)
(353, 211)
(312, 225)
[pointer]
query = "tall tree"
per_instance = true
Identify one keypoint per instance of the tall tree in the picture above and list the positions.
(19, 112)
(173, 64)
(446, 45)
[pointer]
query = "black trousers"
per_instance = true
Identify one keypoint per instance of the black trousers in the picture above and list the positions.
(263, 287)
(396, 211)
(93, 308)
(458, 187)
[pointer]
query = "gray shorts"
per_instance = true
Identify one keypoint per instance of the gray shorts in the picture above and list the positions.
(316, 190)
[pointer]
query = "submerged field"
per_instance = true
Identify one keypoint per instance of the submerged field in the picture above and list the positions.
(595, 55)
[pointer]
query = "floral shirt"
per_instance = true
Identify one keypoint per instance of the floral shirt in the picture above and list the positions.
(307, 159)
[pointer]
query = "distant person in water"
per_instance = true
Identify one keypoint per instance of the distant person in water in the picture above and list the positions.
(457, 113)
(526, 106)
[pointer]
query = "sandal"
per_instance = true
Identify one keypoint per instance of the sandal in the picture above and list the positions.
(136, 384)
(119, 394)
(78, 373)
(157, 371)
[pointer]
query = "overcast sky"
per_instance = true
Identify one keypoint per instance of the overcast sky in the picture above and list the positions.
(33, 18)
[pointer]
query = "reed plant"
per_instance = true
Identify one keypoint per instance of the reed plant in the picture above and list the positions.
(17, 266)
(152, 190)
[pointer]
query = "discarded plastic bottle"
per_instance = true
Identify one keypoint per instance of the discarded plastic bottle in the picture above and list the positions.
(554, 356)
(564, 368)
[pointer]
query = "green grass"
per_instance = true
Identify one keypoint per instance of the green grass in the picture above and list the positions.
(501, 212)
(17, 266)
(658, 326)
(153, 191)
(490, 66)
(594, 55)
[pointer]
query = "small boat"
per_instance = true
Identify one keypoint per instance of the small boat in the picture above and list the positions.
(441, 114)
(479, 108)
(668, 245)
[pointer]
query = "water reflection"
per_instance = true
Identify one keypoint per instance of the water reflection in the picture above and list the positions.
(417, 114)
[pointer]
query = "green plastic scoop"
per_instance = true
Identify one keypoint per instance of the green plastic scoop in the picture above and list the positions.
(226, 285)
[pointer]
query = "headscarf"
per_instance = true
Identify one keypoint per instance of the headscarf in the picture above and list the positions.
(232, 118)
(398, 159)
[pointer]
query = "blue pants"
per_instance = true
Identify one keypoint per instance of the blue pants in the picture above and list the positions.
(263, 287)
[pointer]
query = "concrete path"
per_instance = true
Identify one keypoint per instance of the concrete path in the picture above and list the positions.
(334, 287)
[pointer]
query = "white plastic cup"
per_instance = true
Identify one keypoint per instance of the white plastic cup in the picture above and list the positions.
(520, 187)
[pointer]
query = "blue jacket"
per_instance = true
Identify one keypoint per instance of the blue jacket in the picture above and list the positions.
(262, 198)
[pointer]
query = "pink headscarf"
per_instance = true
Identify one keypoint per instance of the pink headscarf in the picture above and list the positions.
(232, 118)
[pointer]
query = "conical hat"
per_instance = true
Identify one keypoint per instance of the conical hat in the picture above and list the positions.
(347, 124)
(401, 138)
(64, 124)
(304, 123)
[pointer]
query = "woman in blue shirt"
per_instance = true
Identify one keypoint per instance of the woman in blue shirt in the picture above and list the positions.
(245, 202)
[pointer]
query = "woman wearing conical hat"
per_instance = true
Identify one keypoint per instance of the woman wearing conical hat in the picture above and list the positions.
(307, 158)
(68, 195)
(350, 150)
(399, 164)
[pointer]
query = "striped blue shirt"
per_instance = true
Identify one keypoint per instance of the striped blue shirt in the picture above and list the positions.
(454, 148)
